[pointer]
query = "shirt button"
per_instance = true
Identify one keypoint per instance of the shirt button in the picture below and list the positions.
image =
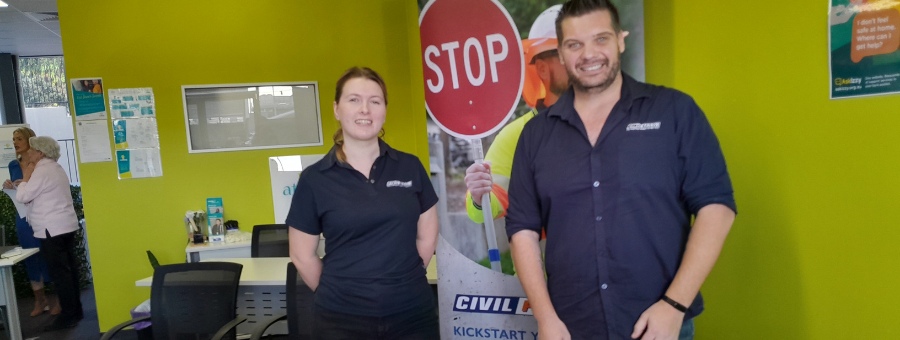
(596, 184)
(603, 286)
(372, 181)
(599, 218)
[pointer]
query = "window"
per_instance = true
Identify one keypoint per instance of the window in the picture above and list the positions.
(252, 116)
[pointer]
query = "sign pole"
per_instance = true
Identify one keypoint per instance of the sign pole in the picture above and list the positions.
(489, 231)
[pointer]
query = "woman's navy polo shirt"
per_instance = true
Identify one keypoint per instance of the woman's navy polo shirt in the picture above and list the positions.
(371, 265)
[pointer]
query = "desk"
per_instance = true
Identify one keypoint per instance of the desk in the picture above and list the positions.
(261, 294)
(8, 292)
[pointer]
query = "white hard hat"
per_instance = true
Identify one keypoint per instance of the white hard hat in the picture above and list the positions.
(541, 38)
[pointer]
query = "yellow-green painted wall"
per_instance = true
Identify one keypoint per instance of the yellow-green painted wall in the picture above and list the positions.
(167, 44)
(813, 253)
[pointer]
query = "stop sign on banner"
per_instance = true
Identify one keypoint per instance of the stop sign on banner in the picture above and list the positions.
(473, 65)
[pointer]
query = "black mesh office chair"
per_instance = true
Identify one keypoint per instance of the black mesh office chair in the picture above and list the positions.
(299, 304)
(192, 301)
(270, 240)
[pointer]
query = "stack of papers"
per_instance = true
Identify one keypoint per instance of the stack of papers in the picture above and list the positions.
(10, 251)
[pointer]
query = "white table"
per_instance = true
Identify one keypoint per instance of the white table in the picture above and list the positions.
(8, 292)
(261, 294)
(216, 250)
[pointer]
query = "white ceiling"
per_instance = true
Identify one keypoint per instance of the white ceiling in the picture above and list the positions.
(30, 28)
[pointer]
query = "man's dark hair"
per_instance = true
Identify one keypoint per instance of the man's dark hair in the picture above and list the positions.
(577, 8)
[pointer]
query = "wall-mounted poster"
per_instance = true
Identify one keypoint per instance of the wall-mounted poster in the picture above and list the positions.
(863, 38)
(87, 98)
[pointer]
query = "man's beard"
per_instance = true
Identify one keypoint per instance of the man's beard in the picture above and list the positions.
(558, 86)
(614, 69)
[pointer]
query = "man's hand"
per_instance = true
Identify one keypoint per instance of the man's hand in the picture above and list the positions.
(553, 330)
(478, 180)
(659, 322)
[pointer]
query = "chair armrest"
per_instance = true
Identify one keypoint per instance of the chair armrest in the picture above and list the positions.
(264, 325)
(112, 331)
(228, 327)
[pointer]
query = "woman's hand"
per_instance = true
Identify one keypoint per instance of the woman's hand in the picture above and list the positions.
(27, 170)
(8, 184)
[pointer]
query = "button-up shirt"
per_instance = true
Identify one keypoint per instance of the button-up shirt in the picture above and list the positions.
(616, 214)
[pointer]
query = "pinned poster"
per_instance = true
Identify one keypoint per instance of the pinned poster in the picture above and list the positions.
(136, 133)
(87, 98)
(138, 163)
(132, 103)
(864, 40)
(93, 141)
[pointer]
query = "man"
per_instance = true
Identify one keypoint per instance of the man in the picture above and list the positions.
(613, 173)
(545, 80)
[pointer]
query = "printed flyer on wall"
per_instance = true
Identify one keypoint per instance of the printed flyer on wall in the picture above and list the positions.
(132, 103)
(93, 141)
(87, 98)
(138, 163)
(136, 133)
(863, 38)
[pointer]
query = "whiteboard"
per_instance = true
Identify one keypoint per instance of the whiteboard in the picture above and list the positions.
(7, 150)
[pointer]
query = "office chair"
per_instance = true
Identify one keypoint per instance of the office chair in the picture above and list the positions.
(270, 240)
(192, 301)
(299, 305)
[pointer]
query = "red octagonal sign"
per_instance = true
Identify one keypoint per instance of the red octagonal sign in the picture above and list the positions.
(473, 65)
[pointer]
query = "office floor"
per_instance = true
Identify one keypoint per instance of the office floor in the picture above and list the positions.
(88, 328)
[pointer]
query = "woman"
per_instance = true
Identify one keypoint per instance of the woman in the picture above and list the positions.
(376, 208)
(35, 266)
(45, 191)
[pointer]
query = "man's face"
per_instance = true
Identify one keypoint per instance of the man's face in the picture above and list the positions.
(591, 49)
(554, 74)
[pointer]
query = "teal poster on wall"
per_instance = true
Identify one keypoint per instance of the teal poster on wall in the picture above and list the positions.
(863, 41)
(87, 98)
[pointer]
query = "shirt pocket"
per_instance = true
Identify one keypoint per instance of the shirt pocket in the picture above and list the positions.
(646, 161)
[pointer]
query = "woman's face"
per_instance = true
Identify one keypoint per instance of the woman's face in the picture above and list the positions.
(361, 109)
(20, 142)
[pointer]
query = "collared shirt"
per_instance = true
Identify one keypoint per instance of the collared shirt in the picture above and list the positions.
(49, 200)
(371, 265)
(617, 214)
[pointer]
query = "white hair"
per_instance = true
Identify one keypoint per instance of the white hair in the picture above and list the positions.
(46, 145)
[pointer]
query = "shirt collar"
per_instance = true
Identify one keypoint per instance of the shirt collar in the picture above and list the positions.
(632, 90)
(330, 159)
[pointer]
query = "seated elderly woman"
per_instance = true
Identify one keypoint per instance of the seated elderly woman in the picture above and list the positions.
(45, 191)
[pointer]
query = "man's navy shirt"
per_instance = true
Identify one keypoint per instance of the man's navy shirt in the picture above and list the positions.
(617, 215)
(371, 265)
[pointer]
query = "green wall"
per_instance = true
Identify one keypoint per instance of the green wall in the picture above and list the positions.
(813, 253)
(167, 44)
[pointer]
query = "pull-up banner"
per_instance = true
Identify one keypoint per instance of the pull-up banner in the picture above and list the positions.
(478, 65)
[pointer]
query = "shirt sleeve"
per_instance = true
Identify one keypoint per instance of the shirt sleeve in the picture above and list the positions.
(705, 179)
(427, 197)
(28, 191)
(304, 213)
(524, 212)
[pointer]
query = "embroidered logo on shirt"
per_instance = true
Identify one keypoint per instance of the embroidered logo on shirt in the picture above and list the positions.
(391, 184)
(642, 126)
